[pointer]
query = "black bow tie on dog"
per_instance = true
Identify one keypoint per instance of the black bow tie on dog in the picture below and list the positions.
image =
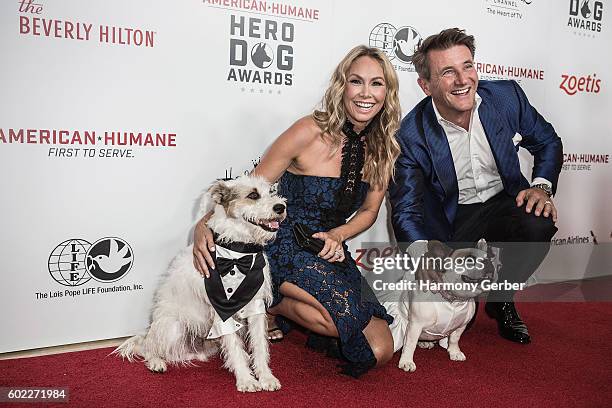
(226, 265)
(247, 289)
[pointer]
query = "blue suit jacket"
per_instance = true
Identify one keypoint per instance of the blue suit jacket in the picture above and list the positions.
(424, 195)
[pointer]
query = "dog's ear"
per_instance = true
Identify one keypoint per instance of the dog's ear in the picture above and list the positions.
(482, 245)
(438, 249)
(220, 192)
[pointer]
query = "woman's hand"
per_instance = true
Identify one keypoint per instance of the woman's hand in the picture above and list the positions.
(203, 245)
(332, 251)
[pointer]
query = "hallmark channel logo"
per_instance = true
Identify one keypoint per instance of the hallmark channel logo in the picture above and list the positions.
(572, 84)
(75, 262)
(585, 17)
(261, 51)
(513, 9)
(397, 43)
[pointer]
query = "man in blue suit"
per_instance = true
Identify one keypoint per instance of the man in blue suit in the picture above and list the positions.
(458, 177)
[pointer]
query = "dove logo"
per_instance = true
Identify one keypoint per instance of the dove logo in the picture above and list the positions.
(404, 43)
(109, 259)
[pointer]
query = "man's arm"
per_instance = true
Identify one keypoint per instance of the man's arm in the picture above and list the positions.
(406, 198)
(540, 139)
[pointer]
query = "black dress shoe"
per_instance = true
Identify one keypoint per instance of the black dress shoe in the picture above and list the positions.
(509, 322)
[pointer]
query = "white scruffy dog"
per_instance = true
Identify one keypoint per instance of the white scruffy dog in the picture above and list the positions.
(192, 316)
(429, 317)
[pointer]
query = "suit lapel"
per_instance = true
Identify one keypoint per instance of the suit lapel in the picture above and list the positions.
(503, 149)
(442, 159)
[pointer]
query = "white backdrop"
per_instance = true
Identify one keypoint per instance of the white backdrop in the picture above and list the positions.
(165, 68)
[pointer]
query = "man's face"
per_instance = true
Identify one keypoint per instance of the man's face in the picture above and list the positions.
(453, 81)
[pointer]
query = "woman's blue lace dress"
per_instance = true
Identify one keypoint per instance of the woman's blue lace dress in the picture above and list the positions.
(342, 291)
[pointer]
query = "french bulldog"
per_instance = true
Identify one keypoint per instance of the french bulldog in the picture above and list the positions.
(440, 308)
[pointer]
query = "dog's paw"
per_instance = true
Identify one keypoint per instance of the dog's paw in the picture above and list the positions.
(456, 355)
(443, 342)
(426, 344)
(157, 365)
(269, 383)
(407, 366)
(249, 384)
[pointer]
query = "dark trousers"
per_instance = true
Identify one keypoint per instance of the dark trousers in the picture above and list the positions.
(524, 238)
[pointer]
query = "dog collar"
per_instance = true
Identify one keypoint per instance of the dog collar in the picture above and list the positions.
(244, 247)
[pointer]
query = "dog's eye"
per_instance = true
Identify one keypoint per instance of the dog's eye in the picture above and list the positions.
(254, 195)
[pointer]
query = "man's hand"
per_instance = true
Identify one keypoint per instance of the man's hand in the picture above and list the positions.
(203, 245)
(537, 201)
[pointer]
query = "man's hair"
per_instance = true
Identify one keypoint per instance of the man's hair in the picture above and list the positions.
(444, 40)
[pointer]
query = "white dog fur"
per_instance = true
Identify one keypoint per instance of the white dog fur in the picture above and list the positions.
(425, 317)
(182, 314)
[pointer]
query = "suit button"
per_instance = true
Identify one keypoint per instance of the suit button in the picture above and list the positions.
(230, 290)
(232, 273)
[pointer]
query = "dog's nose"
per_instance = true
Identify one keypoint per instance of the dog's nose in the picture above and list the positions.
(278, 208)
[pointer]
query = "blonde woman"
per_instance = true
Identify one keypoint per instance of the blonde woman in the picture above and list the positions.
(331, 164)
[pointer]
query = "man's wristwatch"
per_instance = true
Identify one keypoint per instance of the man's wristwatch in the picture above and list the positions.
(544, 187)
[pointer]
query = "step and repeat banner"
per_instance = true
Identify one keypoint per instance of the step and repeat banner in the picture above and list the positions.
(116, 115)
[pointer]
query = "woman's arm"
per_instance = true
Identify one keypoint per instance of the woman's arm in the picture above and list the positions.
(286, 149)
(362, 220)
(282, 153)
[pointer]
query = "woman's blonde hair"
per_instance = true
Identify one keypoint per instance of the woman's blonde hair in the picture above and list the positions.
(382, 148)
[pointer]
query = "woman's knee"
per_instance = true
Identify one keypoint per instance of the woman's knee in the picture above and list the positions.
(383, 351)
(380, 340)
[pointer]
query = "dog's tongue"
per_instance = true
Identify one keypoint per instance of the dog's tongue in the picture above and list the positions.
(273, 224)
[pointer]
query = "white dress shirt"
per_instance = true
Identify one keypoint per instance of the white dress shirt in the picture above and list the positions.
(477, 176)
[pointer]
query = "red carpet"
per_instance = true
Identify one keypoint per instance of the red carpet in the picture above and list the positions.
(569, 364)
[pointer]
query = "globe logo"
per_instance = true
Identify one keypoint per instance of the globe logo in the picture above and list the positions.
(382, 37)
(404, 43)
(109, 259)
(396, 43)
(67, 262)
(262, 55)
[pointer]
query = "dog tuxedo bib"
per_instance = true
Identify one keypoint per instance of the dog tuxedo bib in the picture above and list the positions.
(236, 279)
